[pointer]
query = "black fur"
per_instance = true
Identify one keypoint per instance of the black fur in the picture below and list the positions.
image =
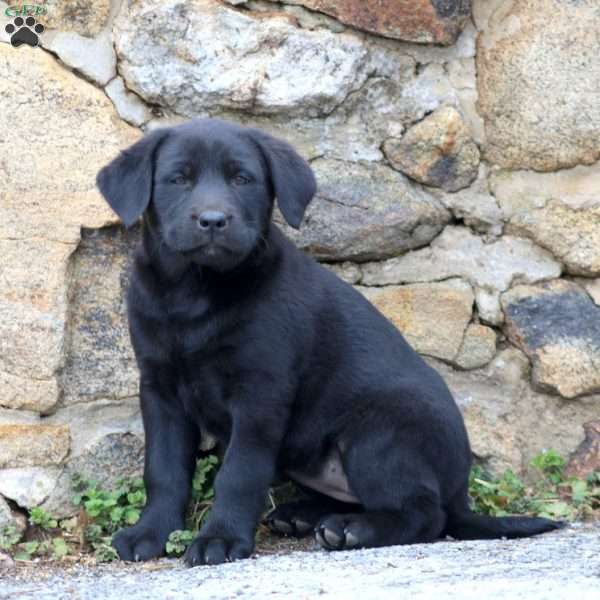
(238, 333)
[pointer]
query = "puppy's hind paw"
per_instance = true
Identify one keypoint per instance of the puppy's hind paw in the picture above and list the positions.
(338, 532)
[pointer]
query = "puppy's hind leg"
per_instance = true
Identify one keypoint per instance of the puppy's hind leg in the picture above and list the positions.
(399, 493)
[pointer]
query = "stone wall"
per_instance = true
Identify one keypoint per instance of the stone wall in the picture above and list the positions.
(456, 150)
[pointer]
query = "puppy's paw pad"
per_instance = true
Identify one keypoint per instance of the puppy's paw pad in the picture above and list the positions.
(293, 527)
(138, 544)
(216, 550)
(337, 532)
(280, 527)
(291, 519)
(302, 527)
(24, 31)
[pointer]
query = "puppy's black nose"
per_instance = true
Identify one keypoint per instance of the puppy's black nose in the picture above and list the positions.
(212, 219)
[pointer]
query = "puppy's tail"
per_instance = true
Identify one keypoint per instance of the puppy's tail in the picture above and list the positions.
(467, 525)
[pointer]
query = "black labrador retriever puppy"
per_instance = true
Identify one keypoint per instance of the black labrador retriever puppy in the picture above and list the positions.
(239, 334)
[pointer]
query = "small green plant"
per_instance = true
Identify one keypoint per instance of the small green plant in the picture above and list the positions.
(550, 465)
(38, 516)
(9, 537)
(553, 495)
(110, 510)
(103, 512)
(499, 496)
(202, 491)
(201, 501)
(179, 541)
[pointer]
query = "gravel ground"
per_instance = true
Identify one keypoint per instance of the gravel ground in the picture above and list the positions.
(556, 566)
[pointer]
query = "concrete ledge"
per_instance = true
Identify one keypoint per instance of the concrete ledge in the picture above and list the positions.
(564, 565)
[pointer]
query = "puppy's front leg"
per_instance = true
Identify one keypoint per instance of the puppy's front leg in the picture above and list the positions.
(170, 457)
(241, 488)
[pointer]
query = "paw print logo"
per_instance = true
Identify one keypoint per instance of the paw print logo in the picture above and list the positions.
(24, 31)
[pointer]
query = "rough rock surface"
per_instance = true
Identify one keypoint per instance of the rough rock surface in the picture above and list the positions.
(108, 445)
(475, 205)
(478, 347)
(560, 211)
(99, 361)
(437, 151)
(424, 21)
(522, 62)
(366, 212)
(33, 445)
(457, 252)
(432, 317)
(102, 440)
(128, 105)
(592, 287)
(94, 58)
(42, 210)
(527, 569)
(10, 518)
(28, 486)
(171, 55)
(558, 326)
(87, 17)
(586, 458)
(508, 422)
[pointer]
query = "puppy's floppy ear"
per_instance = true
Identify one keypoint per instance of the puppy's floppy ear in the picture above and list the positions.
(126, 182)
(293, 181)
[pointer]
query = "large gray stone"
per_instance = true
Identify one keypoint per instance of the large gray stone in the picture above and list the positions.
(28, 486)
(365, 212)
(457, 252)
(201, 55)
(94, 58)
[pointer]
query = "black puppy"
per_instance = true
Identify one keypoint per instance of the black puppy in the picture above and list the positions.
(239, 334)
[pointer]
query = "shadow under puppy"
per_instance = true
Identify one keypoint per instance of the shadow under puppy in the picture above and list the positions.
(238, 333)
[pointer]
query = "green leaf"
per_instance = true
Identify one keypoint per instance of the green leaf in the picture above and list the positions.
(27, 550)
(579, 491)
(59, 547)
(132, 516)
(105, 553)
(116, 514)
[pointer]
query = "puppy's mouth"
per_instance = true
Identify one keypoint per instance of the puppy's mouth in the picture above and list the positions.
(210, 249)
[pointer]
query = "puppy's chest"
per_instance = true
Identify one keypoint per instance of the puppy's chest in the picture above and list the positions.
(204, 359)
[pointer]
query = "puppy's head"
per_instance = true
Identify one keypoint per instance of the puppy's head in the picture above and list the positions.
(207, 188)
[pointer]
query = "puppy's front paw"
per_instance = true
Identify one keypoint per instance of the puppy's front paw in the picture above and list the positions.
(208, 550)
(140, 542)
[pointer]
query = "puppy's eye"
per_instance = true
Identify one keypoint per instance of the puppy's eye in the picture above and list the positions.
(240, 179)
(179, 179)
